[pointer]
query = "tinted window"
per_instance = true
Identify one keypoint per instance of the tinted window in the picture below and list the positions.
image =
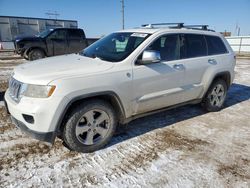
(215, 45)
(195, 46)
(74, 34)
(58, 34)
(168, 46)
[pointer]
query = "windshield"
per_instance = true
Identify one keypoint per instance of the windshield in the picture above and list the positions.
(115, 47)
(44, 33)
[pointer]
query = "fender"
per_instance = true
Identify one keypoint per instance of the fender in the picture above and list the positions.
(209, 80)
(85, 96)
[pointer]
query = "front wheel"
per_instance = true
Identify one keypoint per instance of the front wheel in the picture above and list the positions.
(36, 54)
(216, 95)
(90, 126)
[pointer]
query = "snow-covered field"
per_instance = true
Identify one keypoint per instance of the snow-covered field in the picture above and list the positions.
(183, 147)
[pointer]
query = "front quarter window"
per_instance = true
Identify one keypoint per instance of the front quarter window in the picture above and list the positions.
(115, 47)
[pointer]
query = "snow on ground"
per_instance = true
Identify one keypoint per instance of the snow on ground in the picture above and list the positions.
(183, 147)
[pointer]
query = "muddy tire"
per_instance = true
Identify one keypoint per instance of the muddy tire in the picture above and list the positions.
(36, 54)
(90, 126)
(215, 97)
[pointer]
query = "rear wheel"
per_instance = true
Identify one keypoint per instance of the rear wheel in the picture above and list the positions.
(36, 54)
(216, 95)
(90, 126)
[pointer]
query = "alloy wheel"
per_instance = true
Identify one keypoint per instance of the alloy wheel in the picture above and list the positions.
(92, 127)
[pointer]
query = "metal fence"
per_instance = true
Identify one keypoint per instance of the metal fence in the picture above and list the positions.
(240, 44)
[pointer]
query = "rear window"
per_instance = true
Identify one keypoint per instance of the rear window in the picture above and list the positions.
(196, 45)
(215, 45)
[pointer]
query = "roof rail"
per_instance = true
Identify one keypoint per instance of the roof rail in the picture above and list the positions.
(178, 26)
(202, 27)
(171, 25)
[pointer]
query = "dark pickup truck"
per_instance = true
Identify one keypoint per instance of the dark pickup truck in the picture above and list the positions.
(51, 42)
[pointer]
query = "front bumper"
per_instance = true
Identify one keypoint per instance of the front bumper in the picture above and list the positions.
(45, 113)
(46, 137)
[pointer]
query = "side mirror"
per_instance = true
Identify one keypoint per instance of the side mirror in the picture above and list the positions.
(150, 56)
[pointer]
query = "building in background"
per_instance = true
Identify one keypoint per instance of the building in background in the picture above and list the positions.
(11, 26)
(226, 34)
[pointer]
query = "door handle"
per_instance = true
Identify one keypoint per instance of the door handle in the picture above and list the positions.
(178, 66)
(212, 61)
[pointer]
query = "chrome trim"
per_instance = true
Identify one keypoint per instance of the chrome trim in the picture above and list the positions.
(14, 89)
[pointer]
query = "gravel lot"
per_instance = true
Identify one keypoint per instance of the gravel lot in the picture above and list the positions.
(183, 147)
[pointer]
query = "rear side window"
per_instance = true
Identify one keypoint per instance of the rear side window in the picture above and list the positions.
(215, 45)
(195, 45)
(75, 34)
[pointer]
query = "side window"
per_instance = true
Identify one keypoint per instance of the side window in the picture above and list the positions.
(58, 34)
(168, 46)
(74, 34)
(195, 45)
(215, 45)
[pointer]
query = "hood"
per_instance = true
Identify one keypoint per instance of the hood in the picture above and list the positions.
(27, 38)
(43, 71)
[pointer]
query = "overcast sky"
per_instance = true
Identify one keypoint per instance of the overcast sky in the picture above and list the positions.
(100, 17)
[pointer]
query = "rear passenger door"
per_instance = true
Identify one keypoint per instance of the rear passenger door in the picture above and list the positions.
(194, 53)
(76, 40)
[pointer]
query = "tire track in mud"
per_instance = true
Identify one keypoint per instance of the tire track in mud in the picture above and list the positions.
(151, 146)
(5, 122)
(235, 169)
(129, 157)
(14, 154)
(148, 149)
(3, 86)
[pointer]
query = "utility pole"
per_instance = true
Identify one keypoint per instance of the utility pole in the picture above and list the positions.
(239, 31)
(123, 24)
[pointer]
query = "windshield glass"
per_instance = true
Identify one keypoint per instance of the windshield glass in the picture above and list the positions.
(44, 33)
(115, 47)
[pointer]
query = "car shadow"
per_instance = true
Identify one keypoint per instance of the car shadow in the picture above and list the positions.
(237, 94)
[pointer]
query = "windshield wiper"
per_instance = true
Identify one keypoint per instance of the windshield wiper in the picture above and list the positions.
(92, 56)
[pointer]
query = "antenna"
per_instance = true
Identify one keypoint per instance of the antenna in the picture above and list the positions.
(51, 13)
(123, 20)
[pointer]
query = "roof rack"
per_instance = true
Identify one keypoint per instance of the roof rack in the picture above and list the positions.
(178, 26)
(171, 25)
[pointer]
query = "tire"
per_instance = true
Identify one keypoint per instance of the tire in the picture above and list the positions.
(90, 126)
(215, 96)
(36, 54)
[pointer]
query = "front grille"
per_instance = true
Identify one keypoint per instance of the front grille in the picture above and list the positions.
(14, 89)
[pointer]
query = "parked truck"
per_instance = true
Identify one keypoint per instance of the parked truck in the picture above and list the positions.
(51, 42)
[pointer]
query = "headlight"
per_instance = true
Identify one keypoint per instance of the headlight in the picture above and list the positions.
(36, 91)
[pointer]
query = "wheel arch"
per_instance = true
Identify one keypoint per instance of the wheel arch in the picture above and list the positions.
(108, 96)
(28, 50)
(224, 75)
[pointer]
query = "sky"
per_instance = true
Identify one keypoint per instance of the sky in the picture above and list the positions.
(101, 17)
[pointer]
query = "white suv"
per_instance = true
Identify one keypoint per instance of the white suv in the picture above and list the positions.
(125, 75)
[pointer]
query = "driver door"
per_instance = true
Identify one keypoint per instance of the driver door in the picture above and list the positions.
(58, 42)
(158, 85)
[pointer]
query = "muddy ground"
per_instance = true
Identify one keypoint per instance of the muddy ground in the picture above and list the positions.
(183, 147)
